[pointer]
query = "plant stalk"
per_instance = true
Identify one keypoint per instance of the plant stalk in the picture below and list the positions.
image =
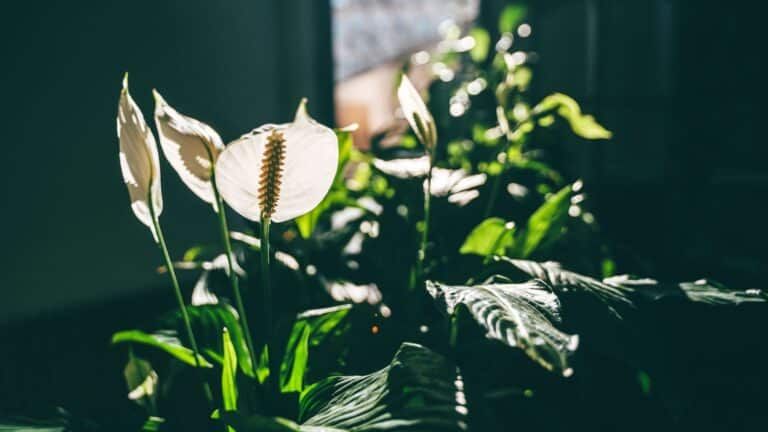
(235, 281)
(497, 180)
(179, 299)
(266, 288)
(418, 273)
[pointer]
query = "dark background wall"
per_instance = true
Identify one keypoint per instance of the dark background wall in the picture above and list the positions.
(68, 235)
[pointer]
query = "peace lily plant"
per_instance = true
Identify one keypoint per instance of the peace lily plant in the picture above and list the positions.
(490, 204)
(275, 173)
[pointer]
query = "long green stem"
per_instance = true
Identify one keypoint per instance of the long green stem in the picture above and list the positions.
(224, 228)
(267, 300)
(179, 299)
(419, 270)
(497, 180)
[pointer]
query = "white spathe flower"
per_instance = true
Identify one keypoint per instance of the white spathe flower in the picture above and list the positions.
(279, 171)
(139, 160)
(415, 111)
(190, 146)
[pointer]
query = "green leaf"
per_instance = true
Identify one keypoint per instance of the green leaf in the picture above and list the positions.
(306, 223)
(258, 423)
(27, 425)
(714, 293)
(511, 17)
(491, 237)
(479, 52)
(153, 424)
(418, 391)
(546, 224)
(207, 322)
(700, 291)
(612, 294)
(582, 125)
(141, 380)
(228, 374)
(519, 315)
(309, 329)
(164, 340)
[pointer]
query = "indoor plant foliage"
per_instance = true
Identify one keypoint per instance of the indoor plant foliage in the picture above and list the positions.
(425, 285)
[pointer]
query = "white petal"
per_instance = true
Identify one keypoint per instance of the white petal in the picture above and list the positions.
(190, 146)
(310, 163)
(237, 173)
(139, 160)
(416, 113)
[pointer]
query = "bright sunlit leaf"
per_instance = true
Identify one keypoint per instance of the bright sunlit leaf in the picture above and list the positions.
(511, 17)
(583, 125)
(279, 171)
(190, 146)
(228, 374)
(139, 161)
(492, 237)
(165, 341)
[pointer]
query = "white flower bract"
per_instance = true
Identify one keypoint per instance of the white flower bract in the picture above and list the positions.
(415, 111)
(190, 146)
(309, 165)
(139, 161)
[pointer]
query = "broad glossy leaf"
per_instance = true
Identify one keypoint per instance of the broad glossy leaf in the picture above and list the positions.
(139, 160)
(714, 293)
(491, 237)
(418, 391)
(228, 374)
(164, 340)
(296, 181)
(583, 125)
(519, 315)
(562, 280)
(310, 329)
(700, 291)
(190, 146)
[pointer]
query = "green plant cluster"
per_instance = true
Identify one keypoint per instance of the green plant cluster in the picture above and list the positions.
(368, 340)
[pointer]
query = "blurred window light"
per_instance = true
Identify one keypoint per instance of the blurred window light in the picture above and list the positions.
(368, 33)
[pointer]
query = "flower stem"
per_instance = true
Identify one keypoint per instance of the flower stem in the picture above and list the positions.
(267, 300)
(179, 299)
(418, 273)
(497, 180)
(235, 281)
